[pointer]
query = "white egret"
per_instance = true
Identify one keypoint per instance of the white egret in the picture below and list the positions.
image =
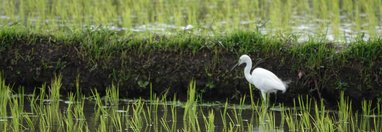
(263, 79)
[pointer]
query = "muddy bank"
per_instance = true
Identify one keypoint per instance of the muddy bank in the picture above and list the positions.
(316, 69)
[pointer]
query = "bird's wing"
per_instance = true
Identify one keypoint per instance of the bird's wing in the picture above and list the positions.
(268, 80)
(272, 85)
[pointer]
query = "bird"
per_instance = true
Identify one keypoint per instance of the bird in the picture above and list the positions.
(263, 79)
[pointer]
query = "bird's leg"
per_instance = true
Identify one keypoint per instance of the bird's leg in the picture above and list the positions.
(268, 101)
(274, 101)
(265, 99)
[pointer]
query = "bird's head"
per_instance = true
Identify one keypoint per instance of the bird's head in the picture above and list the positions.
(243, 59)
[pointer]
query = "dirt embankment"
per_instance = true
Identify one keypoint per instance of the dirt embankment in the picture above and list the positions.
(30, 63)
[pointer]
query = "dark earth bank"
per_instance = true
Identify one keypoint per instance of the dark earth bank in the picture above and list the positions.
(31, 62)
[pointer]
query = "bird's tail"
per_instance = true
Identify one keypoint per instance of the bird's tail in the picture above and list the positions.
(286, 83)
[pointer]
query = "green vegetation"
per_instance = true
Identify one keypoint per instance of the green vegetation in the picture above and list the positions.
(96, 58)
(95, 53)
(48, 112)
(335, 18)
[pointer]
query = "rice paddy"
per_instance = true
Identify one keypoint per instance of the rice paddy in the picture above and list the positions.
(74, 65)
(335, 20)
(46, 110)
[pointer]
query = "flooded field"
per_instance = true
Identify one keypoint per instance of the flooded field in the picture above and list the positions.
(46, 110)
(66, 64)
(334, 20)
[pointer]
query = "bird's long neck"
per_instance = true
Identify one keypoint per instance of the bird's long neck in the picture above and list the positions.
(247, 71)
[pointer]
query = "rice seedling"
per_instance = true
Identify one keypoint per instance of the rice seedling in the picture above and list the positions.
(377, 121)
(5, 93)
(75, 113)
(139, 118)
(51, 110)
(116, 119)
(190, 115)
(322, 118)
(251, 96)
(156, 115)
(334, 18)
(290, 120)
(234, 122)
(153, 110)
(366, 111)
(209, 122)
(69, 120)
(223, 116)
(165, 125)
(174, 114)
(104, 27)
(29, 122)
(102, 127)
(16, 114)
(344, 113)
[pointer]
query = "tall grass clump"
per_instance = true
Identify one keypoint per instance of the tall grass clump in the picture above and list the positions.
(209, 122)
(74, 118)
(190, 115)
(322, 120)
(139, 118)
(17, 111)
(52, 106)
(345, 113)
(112, 100)
(5, 93)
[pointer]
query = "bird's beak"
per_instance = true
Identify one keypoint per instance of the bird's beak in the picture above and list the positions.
(233, 67)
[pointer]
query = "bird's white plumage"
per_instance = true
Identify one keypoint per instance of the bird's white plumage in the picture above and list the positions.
(267, 81)
(263, 79)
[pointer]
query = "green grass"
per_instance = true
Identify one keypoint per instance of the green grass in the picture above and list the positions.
(325, 65)
(224, 27)
(208, 17)
(306, 115)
